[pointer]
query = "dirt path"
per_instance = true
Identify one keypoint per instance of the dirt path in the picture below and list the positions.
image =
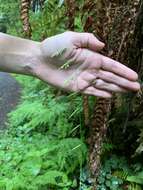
(9, 96)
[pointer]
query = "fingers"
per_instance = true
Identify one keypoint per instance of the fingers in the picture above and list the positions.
(89, 79)
(89, 41)
(118, 80)
(109, 87)
(105, 81)
(95, 92)
(97, 61)
(87, 82)
(118, 68)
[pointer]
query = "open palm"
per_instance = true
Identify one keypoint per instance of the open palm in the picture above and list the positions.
(72, 62)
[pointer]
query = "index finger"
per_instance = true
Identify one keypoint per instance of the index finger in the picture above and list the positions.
(118, 68)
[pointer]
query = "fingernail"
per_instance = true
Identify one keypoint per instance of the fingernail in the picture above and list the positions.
(102, 44)
(138, 87)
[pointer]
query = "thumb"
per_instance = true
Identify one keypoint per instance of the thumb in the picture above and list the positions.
(89, 41)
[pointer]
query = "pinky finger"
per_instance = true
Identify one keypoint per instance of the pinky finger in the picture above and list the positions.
(95, 92)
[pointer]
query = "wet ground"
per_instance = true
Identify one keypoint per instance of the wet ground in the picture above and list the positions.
(9, 96)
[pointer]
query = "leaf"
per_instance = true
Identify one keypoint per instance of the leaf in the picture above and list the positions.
(9, 185)
(31, 166)
(140, 174)
(61, 3)
(54, 178)
(135, 179)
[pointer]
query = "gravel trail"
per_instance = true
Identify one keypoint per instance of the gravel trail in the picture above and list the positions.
(9, 96)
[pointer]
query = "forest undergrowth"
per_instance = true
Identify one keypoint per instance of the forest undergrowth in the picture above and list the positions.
(45, 143)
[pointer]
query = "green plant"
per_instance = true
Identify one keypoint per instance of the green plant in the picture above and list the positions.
(117, 173)
(10, 10)
(135, 181)
(44, 146)
(33, 162)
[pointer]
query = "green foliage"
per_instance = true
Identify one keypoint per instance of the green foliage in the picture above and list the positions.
(106, 180)
(44, 146)
(33, 162)
(116, 173)
(41, 148)
(32, 115)
(10, 10)
(48, 113)
(134, 182)
(49, 21)
(138, 178)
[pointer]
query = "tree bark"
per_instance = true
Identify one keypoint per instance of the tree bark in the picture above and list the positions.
(25, 6)
(115, 25)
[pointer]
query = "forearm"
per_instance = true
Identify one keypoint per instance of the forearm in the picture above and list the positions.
(18, 55)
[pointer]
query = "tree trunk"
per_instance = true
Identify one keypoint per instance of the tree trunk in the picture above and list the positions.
(25, 6)
(115, 25)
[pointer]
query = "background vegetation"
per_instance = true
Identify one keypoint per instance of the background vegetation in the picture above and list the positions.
(45, 144)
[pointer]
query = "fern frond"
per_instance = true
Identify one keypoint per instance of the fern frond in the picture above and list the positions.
(134, 186)
(121, 174)
(134, 180)
(66, 157)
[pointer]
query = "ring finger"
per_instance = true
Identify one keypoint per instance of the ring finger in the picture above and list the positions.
(96, 92)
(103, 85)
(118, 80)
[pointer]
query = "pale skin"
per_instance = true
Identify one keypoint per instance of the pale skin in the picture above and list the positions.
(87, 71)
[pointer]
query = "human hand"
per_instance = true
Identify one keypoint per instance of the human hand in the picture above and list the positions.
(70, 61)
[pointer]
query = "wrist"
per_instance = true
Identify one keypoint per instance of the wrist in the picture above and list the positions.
(35, 59)
(19, 55)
